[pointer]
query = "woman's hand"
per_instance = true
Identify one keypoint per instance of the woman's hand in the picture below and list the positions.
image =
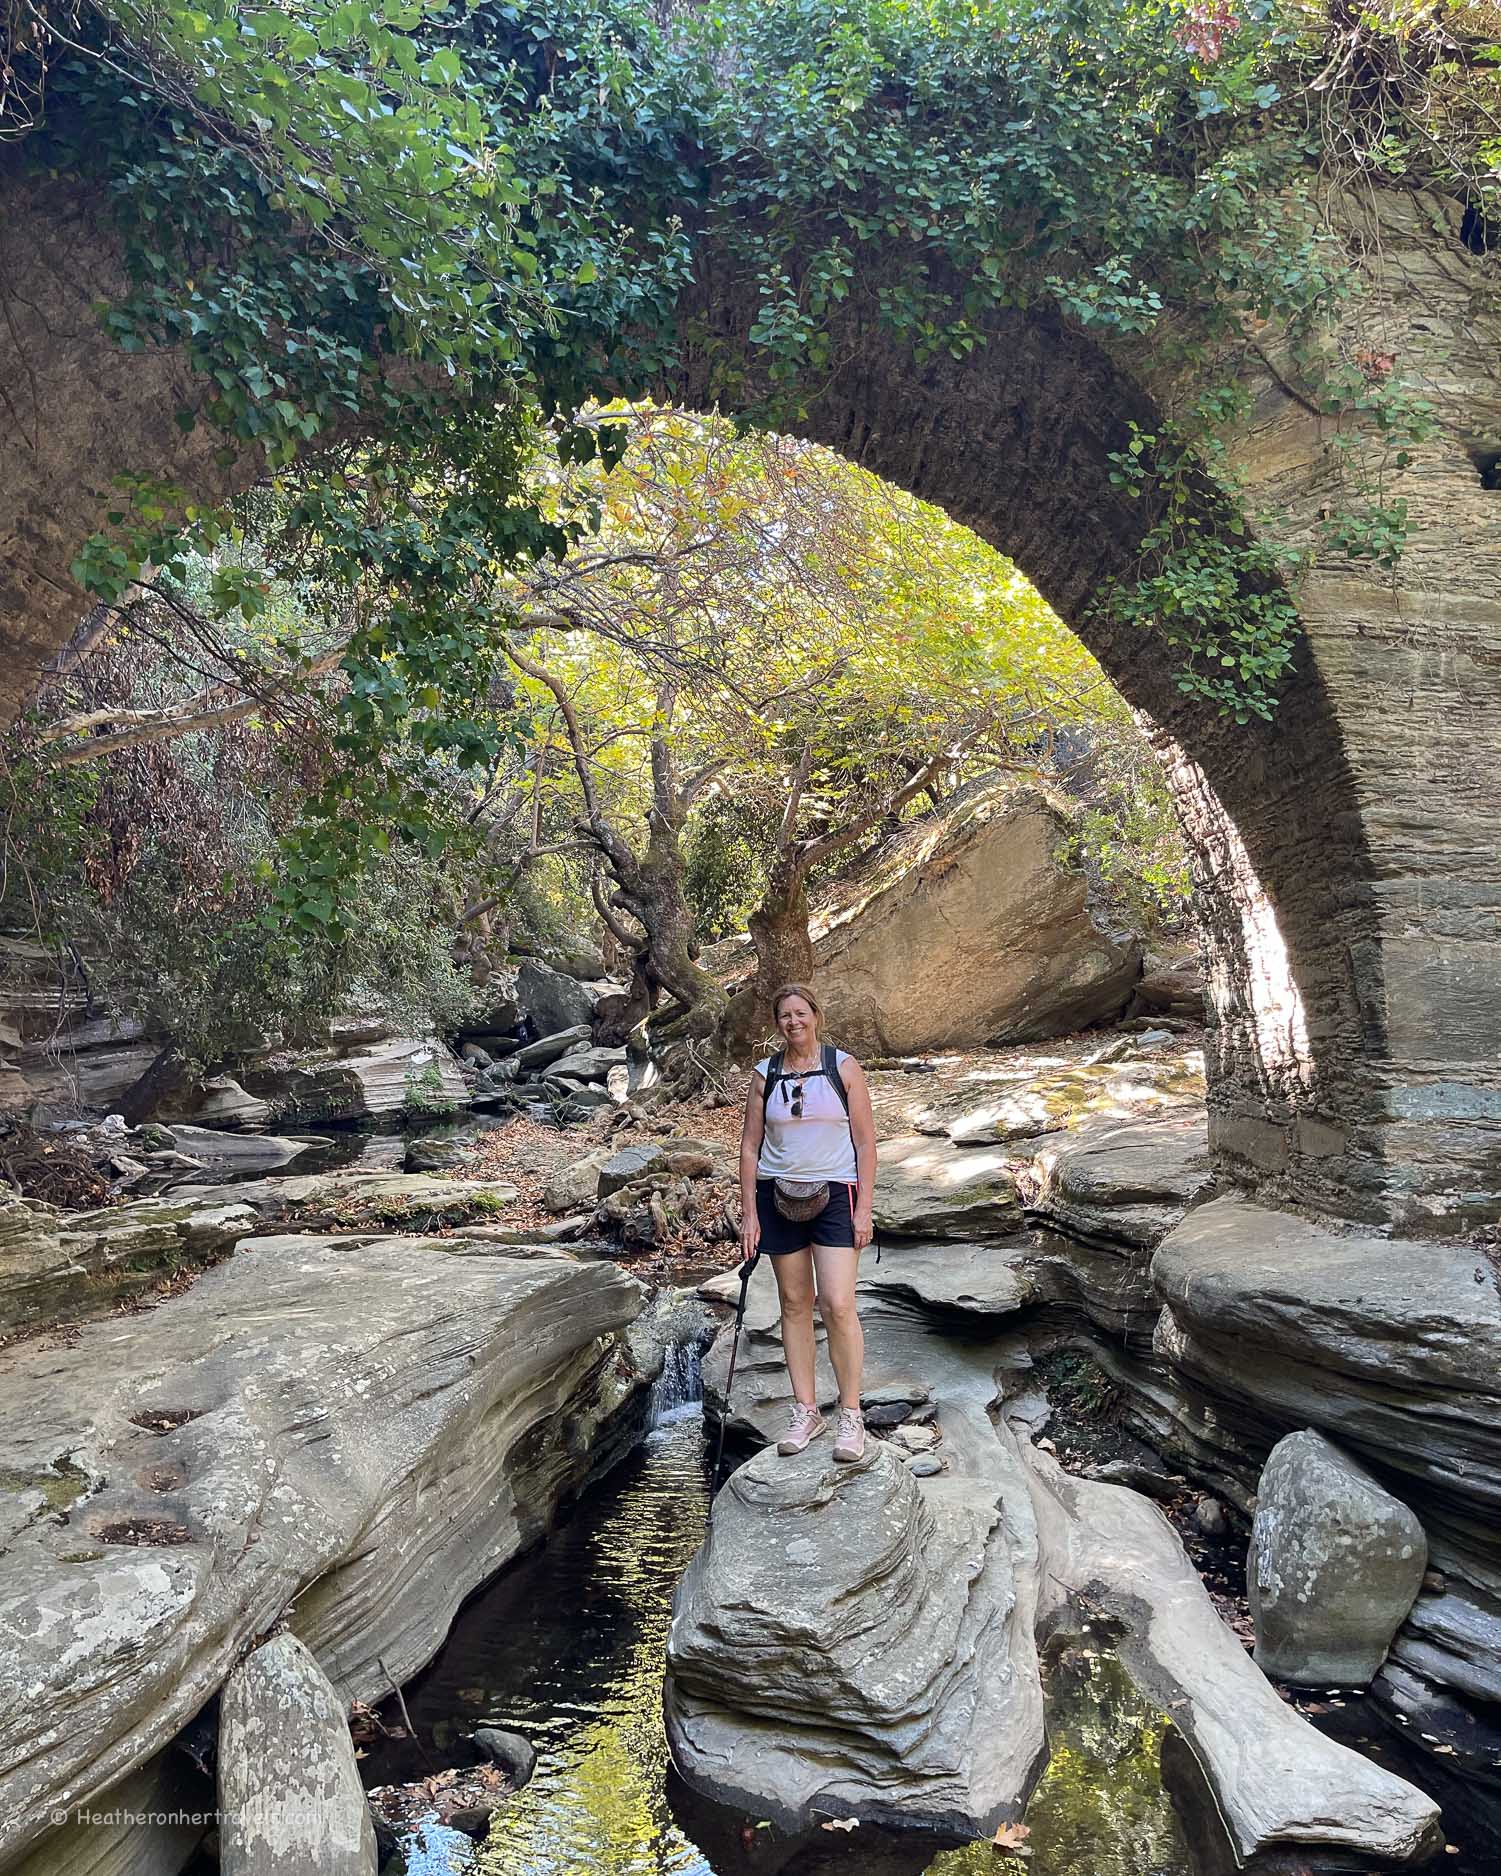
(750, 1235)
(864, 1229)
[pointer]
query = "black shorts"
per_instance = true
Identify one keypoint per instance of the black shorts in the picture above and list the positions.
(834, 1225)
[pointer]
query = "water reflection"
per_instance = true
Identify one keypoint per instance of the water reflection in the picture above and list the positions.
(568, 1646)
(1100, 1808)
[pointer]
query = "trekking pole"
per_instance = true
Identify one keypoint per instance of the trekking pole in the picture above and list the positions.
(724, 1419)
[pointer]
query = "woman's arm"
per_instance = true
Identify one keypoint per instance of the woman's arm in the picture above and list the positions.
(750, 1151)
(863, 1131)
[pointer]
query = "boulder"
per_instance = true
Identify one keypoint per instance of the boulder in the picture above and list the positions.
(516, 1756)
(1144, 1479)
(967, 929)
(237, 1152)
(289, 1788)
(1336, 1563)
(439, 1151)
(548, 1048)
(932, 1189)
(1122, 1185)
(842, 1647)
(590, 1064)
(1171, 989)
(498, 1007)
(579, 1098)
(64, 1266)
(358, 1429)
(628, 1165)
(576, 1187)
(552, 999)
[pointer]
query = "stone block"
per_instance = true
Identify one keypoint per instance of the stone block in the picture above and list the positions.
(1336, 1563)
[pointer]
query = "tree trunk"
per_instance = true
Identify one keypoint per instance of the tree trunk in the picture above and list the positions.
(784, 952)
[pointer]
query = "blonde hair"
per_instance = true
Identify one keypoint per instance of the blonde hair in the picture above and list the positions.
(798, 990)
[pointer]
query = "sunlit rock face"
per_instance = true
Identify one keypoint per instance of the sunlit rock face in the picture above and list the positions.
(967, 929)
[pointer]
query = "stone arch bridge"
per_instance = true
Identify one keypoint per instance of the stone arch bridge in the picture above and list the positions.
(1347, 855)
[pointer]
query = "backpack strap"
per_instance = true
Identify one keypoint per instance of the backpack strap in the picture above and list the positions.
(831, 1069)
(773, 1076)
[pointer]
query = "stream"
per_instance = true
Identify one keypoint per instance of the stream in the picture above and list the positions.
(566, 1647)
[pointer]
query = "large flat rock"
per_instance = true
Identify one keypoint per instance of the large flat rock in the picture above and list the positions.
(352, 1433)
(396, 1200)
(1127, 1185)
(927, 1188)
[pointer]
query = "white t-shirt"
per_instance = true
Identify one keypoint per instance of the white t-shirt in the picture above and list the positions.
(816, 1144)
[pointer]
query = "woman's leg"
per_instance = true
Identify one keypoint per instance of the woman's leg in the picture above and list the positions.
(794, 1274)
(838, 1265)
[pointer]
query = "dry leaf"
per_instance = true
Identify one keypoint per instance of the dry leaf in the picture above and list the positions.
(1012, 1839)
(840, 1823)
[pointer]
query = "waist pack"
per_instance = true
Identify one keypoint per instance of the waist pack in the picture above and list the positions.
(799, 1199)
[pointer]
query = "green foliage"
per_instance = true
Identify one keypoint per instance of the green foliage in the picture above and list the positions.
(392, 237)
(725, 851)
(1210, 588)
(157, 867)
(424, 1097)
(1126, 840)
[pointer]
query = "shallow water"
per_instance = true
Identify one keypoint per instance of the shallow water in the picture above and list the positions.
(567, 1648)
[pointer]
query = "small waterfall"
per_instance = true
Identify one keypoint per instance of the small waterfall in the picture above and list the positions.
(678, 1392)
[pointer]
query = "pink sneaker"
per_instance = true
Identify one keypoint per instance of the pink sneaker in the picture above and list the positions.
(804, 1424)
(849, 1438)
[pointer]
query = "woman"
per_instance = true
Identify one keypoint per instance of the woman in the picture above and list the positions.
(798, 1128)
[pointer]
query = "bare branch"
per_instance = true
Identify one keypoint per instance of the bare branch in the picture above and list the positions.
(228, 705)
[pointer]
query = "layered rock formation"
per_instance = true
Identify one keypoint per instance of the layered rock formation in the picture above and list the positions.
(57, 1264)
(353, 1432)
(361, 1077)
(969, 930)
(816, 1672)
(59, 1044)
(838, 1648)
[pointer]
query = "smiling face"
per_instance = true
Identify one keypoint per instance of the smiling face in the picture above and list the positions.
(797, 1023)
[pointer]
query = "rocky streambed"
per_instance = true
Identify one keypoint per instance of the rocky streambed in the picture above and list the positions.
(279, 1486)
